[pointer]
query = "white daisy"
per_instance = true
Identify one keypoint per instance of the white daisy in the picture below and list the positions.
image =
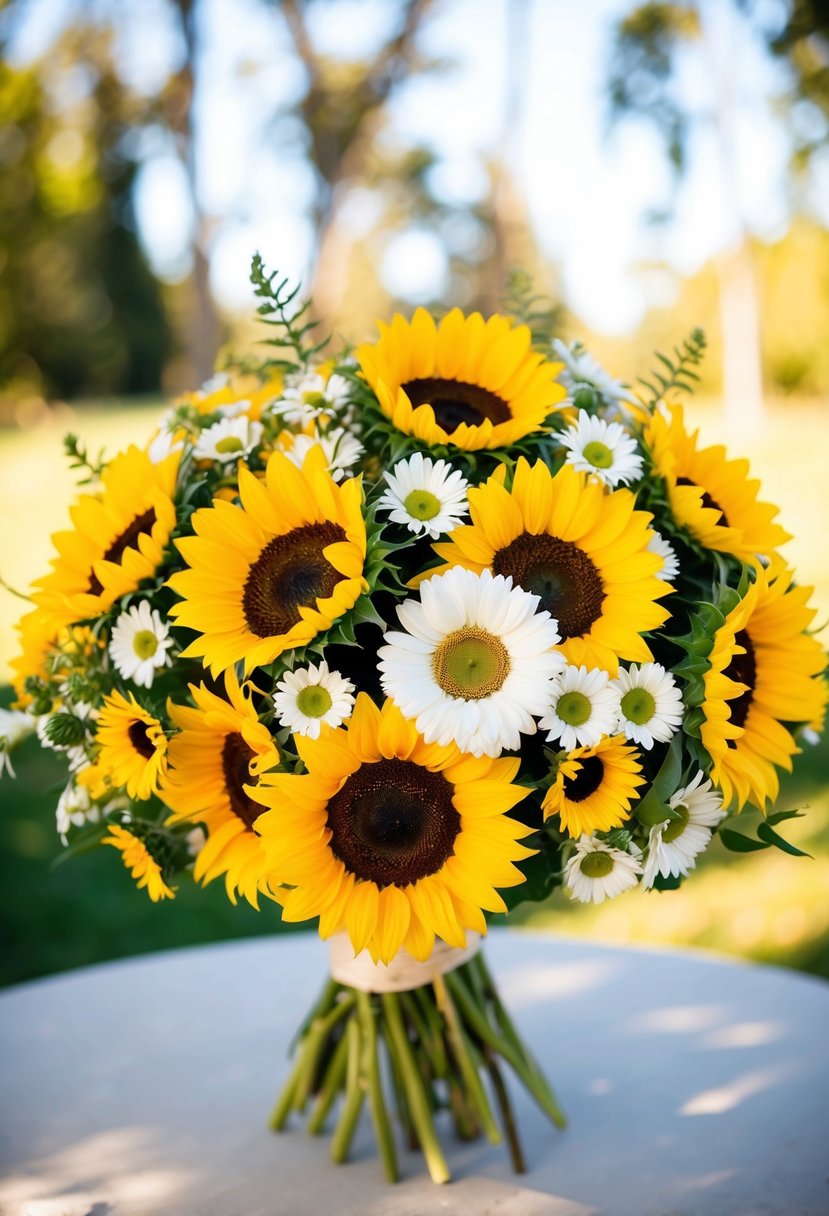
(603, 449)
(426, 495)
(670, 563)
(234, 408)
(673, 846)
(139, 645)
(337, 390)
(475, 664)
(228, 440)
(14, 728)
(304, 398)
(585, 707)
(163, 445)
(581, 371)
(342, 449)
(597, 872)
(650, 705)
(310, 696)
(74, 809)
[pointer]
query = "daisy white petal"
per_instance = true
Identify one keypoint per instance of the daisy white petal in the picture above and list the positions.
(342, 449)
(228, 440)
(597, 872)
(584, 707)
(670, 563)
(140, 644)
(14, 728)
(74, 809)
(477, 663)
(673, 846)
(650, 704)
(426, 495)
(311, 696)
(603, 449)
(581, 369)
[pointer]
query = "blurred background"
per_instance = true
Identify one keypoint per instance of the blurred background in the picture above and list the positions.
(648, 167)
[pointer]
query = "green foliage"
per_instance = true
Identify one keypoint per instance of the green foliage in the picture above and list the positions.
(80, 459)
(741, 842)
(677, 373)
(287, 314)
(533, 309)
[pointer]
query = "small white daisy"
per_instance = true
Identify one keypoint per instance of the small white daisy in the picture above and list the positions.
(597, 872)
(342, 449)
(337, 390)
(585, 707)
(475, 664)
(673, 846)
(74, 809)
(233, 409)
(228, 440)
(310, 696)
(603, 449)
(163, 445)
(426, 495)
(581, 370)
(139, 645)
(650, 705)
(14, 728)
(670, 563)
(304, 398)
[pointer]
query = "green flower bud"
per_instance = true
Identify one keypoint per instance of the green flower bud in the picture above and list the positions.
(65, 730)
(585, 397)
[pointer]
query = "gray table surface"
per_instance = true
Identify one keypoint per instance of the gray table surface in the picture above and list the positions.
(695, 1087)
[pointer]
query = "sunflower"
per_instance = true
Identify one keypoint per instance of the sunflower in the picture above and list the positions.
(271, 574)
(764, 671)
(133, 747)
(594, 787)
(220, 746)
(37, 634)
(393, 839)
(712, 497)
(140, 862)
(582, 550)
(468, 382)
(118, 541)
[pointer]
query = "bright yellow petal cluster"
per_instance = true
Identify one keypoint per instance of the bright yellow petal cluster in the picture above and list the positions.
(582, 549)
(302, 844)
(270, 574)
(466, 381)
(118, 540)
(220, 747)
(594, 787)
(765, 671)
(133, 747)
(712, 497)
(139, 861)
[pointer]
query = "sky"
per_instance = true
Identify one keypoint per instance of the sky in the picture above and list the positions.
(587, 192)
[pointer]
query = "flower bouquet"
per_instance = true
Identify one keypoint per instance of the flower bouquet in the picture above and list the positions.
(398, 637)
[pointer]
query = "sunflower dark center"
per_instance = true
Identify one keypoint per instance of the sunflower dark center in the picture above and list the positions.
(560, 574)
(586, 781)
(743, 670)
(393, 822)
(290, 573)
(455, 402)
(706, 500)
(236, 758)
(126, 540)
(139, 737)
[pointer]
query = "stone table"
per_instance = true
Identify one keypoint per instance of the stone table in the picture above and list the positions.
(694, 1087)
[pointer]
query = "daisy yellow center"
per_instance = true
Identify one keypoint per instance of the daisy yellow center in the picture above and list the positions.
(596, 865)
(139, 736)
(422, 504)
(471, 664)
(574, 708)
(586, 781)
(743, 670)
(230, 443)
(600, 456)
(560, 574)
(638, 706)
(313, 701)
(145, 644)
(290, 573)
(456, 403)
(676, 826)
(125, 540)
(236, 758)
(393, 822)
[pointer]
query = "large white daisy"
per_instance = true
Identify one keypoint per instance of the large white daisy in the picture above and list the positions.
(140, 644)
(673, 846)
(670, 562)
(584, 707)
(605, 450)
(581, 370)
(597, 872)
(426, 495)
(650, 704)
(476, 663)
(228, 439)
(310, 697)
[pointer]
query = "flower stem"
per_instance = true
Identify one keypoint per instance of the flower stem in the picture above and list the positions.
(379, 1114)
(312, 1048)
(354, 1094)
(516, 1152)
(463, 1056)
(418, 1101)
(331, 1086)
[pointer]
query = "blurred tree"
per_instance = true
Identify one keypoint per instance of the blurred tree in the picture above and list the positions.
(80, 311)
(797, 33)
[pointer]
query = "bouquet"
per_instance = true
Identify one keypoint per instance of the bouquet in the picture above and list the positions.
(398, 637)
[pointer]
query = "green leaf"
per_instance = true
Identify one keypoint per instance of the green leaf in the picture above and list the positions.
(738, 842)
(780, 816)
(771, 837)
(652, 808)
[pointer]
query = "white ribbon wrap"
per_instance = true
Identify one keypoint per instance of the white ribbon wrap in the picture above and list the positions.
(403, 972)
